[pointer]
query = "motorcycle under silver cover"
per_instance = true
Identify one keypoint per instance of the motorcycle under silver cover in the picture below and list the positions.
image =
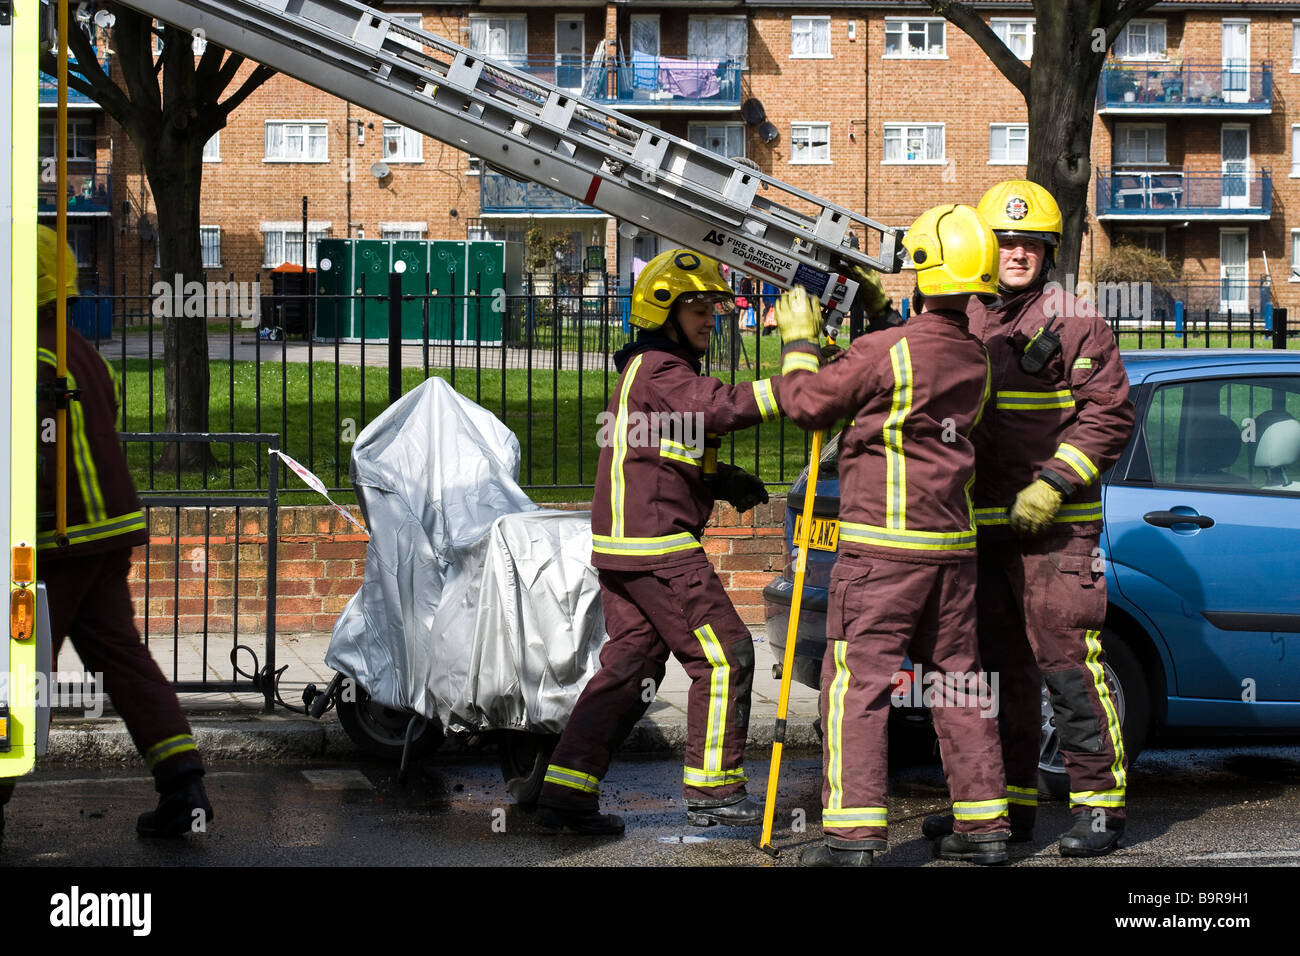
(477, 607)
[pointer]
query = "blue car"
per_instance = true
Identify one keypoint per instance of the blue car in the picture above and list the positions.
(1201, 543)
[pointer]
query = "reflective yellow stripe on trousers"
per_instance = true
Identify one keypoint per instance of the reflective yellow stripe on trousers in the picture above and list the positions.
(719, 688)
(1092, 640)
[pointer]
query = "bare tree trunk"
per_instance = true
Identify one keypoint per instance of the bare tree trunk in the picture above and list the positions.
(1063, 91)
(174, 168)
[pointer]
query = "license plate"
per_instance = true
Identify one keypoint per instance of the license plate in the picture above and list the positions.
(825, 533)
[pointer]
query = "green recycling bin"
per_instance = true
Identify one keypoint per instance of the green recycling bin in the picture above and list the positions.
(411, 262)
(371, 262)
(447, 289)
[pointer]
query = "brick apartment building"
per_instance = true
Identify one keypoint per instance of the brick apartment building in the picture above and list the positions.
(878, 106)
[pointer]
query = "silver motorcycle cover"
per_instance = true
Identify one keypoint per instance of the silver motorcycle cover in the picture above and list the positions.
(476, 608)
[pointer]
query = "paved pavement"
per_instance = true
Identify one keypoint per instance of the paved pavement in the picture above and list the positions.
(233, 727)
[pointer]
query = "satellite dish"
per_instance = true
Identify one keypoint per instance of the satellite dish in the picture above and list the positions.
(752, 111)
(104, 20)
(380, 171)
(768, 133)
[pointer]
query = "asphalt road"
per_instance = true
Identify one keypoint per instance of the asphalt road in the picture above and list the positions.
(1211, 804)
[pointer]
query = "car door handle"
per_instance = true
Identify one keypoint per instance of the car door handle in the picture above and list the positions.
(1167, 519)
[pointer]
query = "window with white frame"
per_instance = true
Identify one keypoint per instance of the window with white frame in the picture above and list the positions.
(810, 37)
(810, 142)
(475, 166)
(1141, 40)
(402, 230)
(1295, 46)
(502, 38)
(282, 242)
(210, 246)
(1139, 144)
(1295, 150)
(718, 38)
(212, 148)
(412, 20)
(1152, 240)
(1009, 143)
(1295, 255)
(296, 141)
(1018, 35)
(81, 139)
(914, 143)
(402, 144)
(725, 139)
(915, 38)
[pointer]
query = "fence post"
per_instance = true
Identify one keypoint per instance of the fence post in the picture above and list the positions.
(394, 337)
(1279, 328)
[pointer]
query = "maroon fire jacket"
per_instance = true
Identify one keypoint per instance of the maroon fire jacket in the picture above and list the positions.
(1073, 417)
(651, 501)
(906, 460)
(103, 508)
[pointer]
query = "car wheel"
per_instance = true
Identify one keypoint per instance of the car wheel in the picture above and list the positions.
(381, 731)
(1128, 689)
(524, 757)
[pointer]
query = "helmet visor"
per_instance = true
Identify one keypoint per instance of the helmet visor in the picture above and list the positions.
(721, 302)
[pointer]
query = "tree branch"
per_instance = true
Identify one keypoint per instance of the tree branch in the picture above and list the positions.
(255, 79)
(1123, 15)
(970, 23)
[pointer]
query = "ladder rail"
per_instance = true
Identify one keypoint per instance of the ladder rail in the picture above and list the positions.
(529, 129)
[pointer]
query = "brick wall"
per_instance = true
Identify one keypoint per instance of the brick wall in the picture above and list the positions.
(321, 564)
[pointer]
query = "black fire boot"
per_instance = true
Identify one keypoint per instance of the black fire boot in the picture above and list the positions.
(740, 812)
(940, 826)
(586, 822)
(823, 855)
(986, 849)
(183, 808)
(1087, 839)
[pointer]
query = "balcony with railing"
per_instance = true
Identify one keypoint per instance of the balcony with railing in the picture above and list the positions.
(502, 196)
(643, 82)
(1153, 88)
(1170, 194)
(89, 191)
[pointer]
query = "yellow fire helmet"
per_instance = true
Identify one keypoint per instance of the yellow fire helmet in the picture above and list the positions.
(47, 242)
(1019, 207)
(677, 272)
(953, 251)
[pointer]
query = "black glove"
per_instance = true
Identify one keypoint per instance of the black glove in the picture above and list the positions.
(737, 487)
(830, 353)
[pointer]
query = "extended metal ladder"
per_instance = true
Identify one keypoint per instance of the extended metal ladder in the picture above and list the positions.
(531, 130)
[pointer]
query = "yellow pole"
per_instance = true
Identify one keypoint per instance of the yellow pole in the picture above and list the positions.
(61, 278)
(791, 633)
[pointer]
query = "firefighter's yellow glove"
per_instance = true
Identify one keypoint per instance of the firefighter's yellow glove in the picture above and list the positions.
(798, 317)
(871, 293)
(1036, 505)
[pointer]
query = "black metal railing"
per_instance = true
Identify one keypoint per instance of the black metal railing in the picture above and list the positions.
(541, 358)
(194, 567)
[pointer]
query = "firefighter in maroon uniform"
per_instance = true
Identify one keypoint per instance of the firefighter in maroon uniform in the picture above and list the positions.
(655, 489)
(904, 581)
(1060, 417)
(85, 575)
